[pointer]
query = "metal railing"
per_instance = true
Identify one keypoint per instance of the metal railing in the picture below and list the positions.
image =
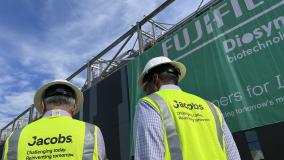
(28, 116)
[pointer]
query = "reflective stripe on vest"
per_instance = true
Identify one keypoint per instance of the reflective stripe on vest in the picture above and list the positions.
(172, 137)
(160, 101)
(13, 145)
(90, 146)
(90, 143)
(220, 132)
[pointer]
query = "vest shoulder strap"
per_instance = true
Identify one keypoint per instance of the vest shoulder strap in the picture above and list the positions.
(90, 151)
(219, 127)
(171, 132)
(13, 141)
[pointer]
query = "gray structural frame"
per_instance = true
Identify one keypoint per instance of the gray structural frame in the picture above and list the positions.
(118, 59)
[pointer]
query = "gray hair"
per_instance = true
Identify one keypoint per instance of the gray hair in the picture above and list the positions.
(59, 100)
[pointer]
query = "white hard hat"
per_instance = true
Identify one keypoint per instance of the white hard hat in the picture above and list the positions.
(79, 98)
(158, 61)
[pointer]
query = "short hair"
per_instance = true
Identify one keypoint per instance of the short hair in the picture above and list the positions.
(166, 72)
(59, 100)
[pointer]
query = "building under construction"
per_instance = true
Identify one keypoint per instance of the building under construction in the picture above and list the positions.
(233, 51)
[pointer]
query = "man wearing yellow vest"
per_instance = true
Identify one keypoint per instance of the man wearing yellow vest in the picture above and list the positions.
(171, 124)
(56, 135)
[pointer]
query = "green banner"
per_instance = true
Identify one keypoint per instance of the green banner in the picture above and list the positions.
(234, 54)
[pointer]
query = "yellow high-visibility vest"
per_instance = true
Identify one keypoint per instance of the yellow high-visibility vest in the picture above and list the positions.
(192, 126)
(54, 137)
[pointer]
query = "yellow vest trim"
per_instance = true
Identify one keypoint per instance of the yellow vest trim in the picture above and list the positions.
(58, 137)
(170, 129)
(198, 127)
(96, 155)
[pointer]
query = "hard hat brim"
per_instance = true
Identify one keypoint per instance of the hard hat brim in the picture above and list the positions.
(176, 64)
(79, 98)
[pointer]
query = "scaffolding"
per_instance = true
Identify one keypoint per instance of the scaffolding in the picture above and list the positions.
(111, 59)
(131, 44)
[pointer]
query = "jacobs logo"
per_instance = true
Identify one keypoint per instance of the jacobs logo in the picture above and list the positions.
(189, 106)
(50, 140)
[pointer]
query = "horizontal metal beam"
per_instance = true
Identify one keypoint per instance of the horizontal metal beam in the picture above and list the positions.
(158, 25)
(190, 18)
(156, 11)
(120, 49)
(121, 38)
(147, 35)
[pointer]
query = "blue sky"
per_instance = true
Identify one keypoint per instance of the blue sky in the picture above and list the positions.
(43, 40)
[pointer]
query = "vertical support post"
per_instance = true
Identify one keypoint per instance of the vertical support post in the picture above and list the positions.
(95, 72)
(100, 70)
(31, 114)
(140, 38)
(89, 75)
(81, 113)
(13, 127)
(154, 32)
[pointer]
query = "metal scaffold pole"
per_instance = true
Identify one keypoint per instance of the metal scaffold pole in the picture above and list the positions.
(139, 37)
(31, 113)
(89, 75)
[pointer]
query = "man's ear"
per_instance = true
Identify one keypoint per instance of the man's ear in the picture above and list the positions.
(43, 107)
(73, 110)
(156, 80)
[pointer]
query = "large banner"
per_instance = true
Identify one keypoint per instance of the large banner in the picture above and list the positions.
(234, 54)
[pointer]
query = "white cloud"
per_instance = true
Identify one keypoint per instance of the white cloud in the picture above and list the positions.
(6, 78)
(14, 104)
(18, 100)
(135, 10)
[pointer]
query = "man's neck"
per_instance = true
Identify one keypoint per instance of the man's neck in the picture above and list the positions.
(56, 112)
(170, 86)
